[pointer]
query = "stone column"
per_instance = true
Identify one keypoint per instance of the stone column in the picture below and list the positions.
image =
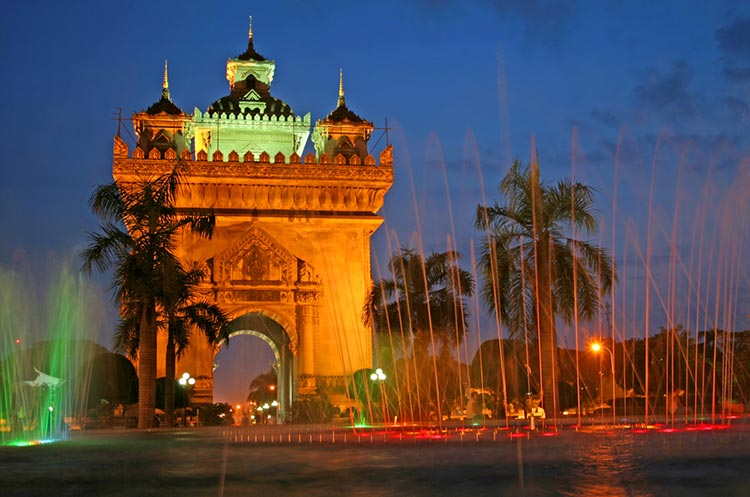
(307, 327)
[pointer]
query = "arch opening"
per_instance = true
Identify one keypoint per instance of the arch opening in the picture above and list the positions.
(263, 344)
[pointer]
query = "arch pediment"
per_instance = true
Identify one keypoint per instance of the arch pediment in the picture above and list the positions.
(256, 259)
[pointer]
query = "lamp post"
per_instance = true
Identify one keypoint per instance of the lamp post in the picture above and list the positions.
(598, 347)
(186, 381)
(260, 419)
(379, 377)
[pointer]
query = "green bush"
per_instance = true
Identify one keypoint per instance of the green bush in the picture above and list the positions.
(311, 409)
(215, 414)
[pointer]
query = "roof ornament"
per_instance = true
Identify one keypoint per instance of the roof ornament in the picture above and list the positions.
(165, 85)
(342, 100)
(250, 30)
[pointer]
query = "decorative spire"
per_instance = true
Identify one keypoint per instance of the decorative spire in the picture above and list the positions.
(342, 100)
(165, 85)
(250, 53)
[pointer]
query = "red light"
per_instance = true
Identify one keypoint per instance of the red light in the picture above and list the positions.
(18, 341)
(669, 430)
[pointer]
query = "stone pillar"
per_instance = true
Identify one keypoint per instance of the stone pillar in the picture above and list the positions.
(307, 324)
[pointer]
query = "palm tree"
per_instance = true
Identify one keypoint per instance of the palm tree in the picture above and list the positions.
(422, 304)
(182, 316)
(262, 388)
(136, 239)
(533, 267)
(424, 299)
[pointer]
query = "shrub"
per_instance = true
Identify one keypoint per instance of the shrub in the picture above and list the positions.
(311, 409)
(215, 414)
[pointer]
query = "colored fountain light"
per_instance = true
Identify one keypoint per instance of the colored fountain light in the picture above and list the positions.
(45, 362)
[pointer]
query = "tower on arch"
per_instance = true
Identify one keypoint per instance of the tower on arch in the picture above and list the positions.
(289, 258)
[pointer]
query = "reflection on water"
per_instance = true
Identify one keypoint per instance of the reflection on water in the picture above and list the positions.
(620, 463)
(607, 466)
(204, 462)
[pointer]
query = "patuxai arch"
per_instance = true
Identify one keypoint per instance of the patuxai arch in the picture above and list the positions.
(289, 260)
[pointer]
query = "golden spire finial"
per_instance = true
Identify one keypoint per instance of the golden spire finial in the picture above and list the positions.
(250, 30)
(165, 85)
(342, 100)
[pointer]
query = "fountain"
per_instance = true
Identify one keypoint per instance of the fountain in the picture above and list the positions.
(667, 338)
(46, 357)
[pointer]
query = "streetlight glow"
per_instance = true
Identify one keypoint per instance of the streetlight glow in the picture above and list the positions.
(598, 347)
(185, 379)
(378, 375)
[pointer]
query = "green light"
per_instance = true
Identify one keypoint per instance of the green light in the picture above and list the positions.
(44, 356)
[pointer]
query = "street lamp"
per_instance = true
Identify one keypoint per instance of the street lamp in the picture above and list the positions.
(379, 377)
(597, 347)
(186, 381)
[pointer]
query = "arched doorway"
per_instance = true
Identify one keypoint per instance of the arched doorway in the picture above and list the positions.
(271, 332)
(246, 358)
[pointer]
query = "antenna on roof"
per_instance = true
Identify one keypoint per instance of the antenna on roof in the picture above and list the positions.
(119, 119)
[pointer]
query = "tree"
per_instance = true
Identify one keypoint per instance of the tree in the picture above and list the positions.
(184, 314)
(112, 378)
(423, 305)
(533, 266)
(494, 358)
(424, 299)
(136, 240)
(262, 388)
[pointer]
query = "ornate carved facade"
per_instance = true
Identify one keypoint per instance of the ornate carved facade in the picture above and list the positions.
(289, 259)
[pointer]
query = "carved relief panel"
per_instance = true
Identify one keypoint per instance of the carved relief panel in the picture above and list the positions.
(256, 260)
(258, 269)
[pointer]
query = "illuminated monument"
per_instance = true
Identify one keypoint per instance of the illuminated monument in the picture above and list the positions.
(289, 260)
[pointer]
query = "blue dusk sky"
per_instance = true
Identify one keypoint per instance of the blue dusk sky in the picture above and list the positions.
(648, 102)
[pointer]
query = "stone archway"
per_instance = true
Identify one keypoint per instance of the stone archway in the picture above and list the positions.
(292, 233)
(270, 331)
